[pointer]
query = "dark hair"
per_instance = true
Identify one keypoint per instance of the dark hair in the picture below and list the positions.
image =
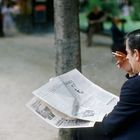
(134, 39)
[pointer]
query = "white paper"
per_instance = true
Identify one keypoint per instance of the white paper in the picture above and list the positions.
(77, 97)
(58, 119)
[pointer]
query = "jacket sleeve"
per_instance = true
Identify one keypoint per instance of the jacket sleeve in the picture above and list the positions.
(125, 111)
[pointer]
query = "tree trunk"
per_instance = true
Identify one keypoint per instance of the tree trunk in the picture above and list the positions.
(67, 40)
(67, 35)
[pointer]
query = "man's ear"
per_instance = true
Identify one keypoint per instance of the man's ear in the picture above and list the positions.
(137, 55)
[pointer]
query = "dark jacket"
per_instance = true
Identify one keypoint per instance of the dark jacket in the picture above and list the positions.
(118, 39)
(123, 123)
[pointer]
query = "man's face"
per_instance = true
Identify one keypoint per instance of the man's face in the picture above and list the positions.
(131, 56)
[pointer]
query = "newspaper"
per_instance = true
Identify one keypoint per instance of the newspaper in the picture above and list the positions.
(54, 117)
(73, 95)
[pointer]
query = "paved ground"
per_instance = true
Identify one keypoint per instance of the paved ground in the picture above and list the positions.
(27, 62)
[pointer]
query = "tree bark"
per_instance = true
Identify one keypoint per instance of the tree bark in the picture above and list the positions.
(67, 36)
(67, 41)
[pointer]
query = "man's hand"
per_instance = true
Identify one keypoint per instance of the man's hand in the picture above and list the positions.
(122, 62)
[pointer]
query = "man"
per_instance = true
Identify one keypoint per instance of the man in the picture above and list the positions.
(123, 123)
(117, 35)
(95, 19)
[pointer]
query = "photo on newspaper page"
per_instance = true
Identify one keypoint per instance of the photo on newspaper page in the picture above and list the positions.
(77, 97)
(55, 118)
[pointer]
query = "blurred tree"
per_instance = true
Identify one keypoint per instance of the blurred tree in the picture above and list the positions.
(67, 41)
(109, 6)
(67, 35)
(136, 12)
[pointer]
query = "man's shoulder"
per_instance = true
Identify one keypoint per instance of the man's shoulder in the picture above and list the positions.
(134, 78)
(130, 91)
(133, 82)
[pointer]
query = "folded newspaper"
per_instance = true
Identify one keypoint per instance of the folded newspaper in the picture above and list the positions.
(71, 101)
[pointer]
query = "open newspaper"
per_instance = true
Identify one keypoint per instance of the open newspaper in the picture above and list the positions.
(71, 100)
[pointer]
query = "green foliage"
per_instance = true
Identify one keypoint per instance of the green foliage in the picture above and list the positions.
(109, 6)
(136, 12)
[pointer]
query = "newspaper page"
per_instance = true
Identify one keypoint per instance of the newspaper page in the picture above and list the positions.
(55, 118)
(76, 96)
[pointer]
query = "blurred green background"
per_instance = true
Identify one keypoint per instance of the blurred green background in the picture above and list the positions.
(113, 7)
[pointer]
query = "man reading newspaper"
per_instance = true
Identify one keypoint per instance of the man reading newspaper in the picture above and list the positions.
(123, 122)
(73, 98)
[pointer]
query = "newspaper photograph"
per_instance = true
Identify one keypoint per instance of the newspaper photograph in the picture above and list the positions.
(55, 118)
(77, 97)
